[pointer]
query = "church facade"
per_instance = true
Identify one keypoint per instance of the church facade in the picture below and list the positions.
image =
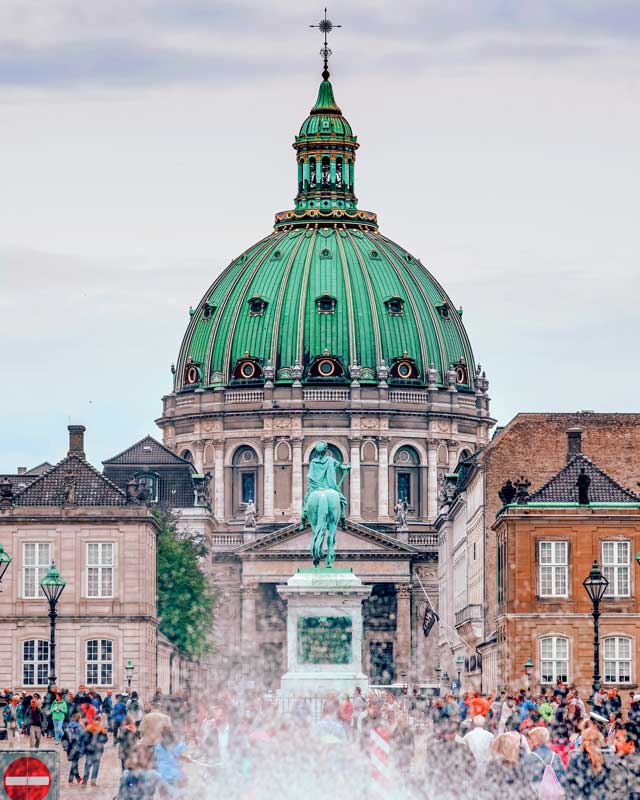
(325, 330)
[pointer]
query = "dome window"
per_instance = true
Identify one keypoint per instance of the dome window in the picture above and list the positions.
(277, 254)
(191, 373)
(257, 306)
(326, 304)
(461, 372)
(247, 369)
(207, 311)
(443, 310)
(375, 255)
(326, 253)
(326, 366)
(404, 369)
(395, 306)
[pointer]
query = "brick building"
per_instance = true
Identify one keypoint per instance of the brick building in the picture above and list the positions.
(104, 546)
(546, 543)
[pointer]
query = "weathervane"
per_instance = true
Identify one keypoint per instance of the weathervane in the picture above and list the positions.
(325, 26)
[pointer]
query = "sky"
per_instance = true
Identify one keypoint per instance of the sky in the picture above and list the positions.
(146, 143)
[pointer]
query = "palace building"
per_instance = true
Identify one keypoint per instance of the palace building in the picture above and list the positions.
(325, 329)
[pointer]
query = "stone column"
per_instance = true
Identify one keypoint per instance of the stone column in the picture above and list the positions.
(297, 489)
(268, 482)
(452, 454)
(402, 656)
(248, 628)
(383, 477)
(354, 509)
(432, 480)
(218, 479)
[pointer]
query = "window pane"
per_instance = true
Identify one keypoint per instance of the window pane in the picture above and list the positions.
(562, 648)
(29, 554)
(28, 649)
(624, 648)
(44, 559)
(92, 581)
(609, 648)
(561, 580)
(42, 674)
(28, 674)
(92, 650)
(545, 552)
(105, 677)
(92, 554)
(546, 648)
(546, 580)
(248, 487)
(107, 554)
(92, 673)
(608, 552)
(43, 650)
(107, 646)
(107, 582)
(560, 552)
(404, 486)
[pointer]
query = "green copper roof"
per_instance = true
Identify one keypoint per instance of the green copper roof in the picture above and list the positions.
(379, 303)
(290, 270)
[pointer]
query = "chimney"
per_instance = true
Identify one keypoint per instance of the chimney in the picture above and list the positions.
(76, 440)
(574, 442)
(21, 470)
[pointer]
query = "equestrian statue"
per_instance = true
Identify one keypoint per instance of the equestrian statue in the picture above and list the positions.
(324, 504)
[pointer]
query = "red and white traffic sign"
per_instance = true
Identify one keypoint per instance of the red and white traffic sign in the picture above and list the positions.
(27, 778)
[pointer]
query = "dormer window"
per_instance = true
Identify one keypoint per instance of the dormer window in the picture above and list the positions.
(191, 374)
(443, 310)
(247, 369)
(148, 482)
(462, 375)
(207, 311)
(404, 369)
(325, 252)
(326, 304)
(277, 254)
(395, 305)
(326, 366)
(257, 306)
(375, 255)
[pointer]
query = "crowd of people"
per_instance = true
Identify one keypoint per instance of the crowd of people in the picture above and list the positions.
(549, 745)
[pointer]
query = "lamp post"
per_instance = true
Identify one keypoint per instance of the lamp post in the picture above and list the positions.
(5, 560)
(596, 585)
(438, 671)
(459, 663)
(52, 585)
(129, 670)
(528, 667)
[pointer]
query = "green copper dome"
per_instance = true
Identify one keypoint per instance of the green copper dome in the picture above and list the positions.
(326, 298)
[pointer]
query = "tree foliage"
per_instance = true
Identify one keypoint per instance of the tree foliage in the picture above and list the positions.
(185, 599)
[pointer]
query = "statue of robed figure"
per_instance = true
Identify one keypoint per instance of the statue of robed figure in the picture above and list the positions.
(324, 504)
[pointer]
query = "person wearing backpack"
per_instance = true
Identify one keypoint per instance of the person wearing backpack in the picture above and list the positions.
(544, 768)
(10, 718)
(134, 709)
(588, 774)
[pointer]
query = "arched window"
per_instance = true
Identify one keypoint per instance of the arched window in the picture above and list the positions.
(312, 173)
(554, 659)
(617, 659)
(335, 452)
(245, 479)
(404, 369)
(339, 172)
(187, 455)
(407, 469)
(148, 480)
(191, 373)
(35, 662)
(99, 666)
(326, 366)
(326, 172)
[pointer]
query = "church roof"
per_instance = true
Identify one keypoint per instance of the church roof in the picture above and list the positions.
(562, 487)
(91, 487)
(146, 453)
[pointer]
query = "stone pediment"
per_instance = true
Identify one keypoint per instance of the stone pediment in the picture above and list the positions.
(356, 541)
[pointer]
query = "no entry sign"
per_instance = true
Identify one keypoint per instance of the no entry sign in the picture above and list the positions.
(30, 775)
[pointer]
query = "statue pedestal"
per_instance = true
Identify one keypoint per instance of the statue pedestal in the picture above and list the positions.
(324, 632)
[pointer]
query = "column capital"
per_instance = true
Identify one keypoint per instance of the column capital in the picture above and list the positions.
(218, 442)
(383, 441)
(355, 441)
(296, 441)
(268, 439)
(249, 590)
(403, 591)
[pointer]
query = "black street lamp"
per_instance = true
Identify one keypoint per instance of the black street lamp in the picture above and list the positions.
(596, 586)
(52, 585)
(129, 670)
(459, 663)
(528, 666)
(5, 560)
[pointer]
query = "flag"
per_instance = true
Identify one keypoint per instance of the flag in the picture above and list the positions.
(430, 619)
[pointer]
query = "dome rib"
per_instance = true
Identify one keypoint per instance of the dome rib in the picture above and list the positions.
(372, 300)
(303, 297)
(275, 339)
(353, 349)
(226, 359)
(410, 299)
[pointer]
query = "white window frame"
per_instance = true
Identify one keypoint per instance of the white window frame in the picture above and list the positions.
(149, 478)
(556, 661)
(100, 661)
(39, 567)
(36, 662)
(101, 567)
(622, 663)
(617, 570)
(556, 567)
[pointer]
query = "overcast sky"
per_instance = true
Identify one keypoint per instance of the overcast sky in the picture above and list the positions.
(145, 143)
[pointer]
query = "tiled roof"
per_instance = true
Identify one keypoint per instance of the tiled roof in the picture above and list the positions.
(91, 488)
(562, 488)
(40, 469)
(18, 482)
(147, 452)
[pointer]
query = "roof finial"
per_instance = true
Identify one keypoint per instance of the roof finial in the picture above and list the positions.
(325, 26)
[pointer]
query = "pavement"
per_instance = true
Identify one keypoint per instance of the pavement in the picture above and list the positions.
(108, 777)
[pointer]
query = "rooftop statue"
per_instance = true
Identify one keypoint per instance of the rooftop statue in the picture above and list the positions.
(324, 504)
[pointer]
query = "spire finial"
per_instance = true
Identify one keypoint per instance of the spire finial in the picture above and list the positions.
(325, 26)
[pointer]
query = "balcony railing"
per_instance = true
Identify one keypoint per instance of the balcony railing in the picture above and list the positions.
(423, 539)
(470, 613)
(244, 396)
(339, 395)
(396, 396)
(226, 539)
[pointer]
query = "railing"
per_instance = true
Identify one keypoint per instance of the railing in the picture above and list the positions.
(470, 613)
(424, 539)
(326, 394)
(408, 397)
(226, 539)
(244, 396)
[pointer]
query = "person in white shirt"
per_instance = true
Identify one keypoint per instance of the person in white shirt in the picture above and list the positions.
(478, 740)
